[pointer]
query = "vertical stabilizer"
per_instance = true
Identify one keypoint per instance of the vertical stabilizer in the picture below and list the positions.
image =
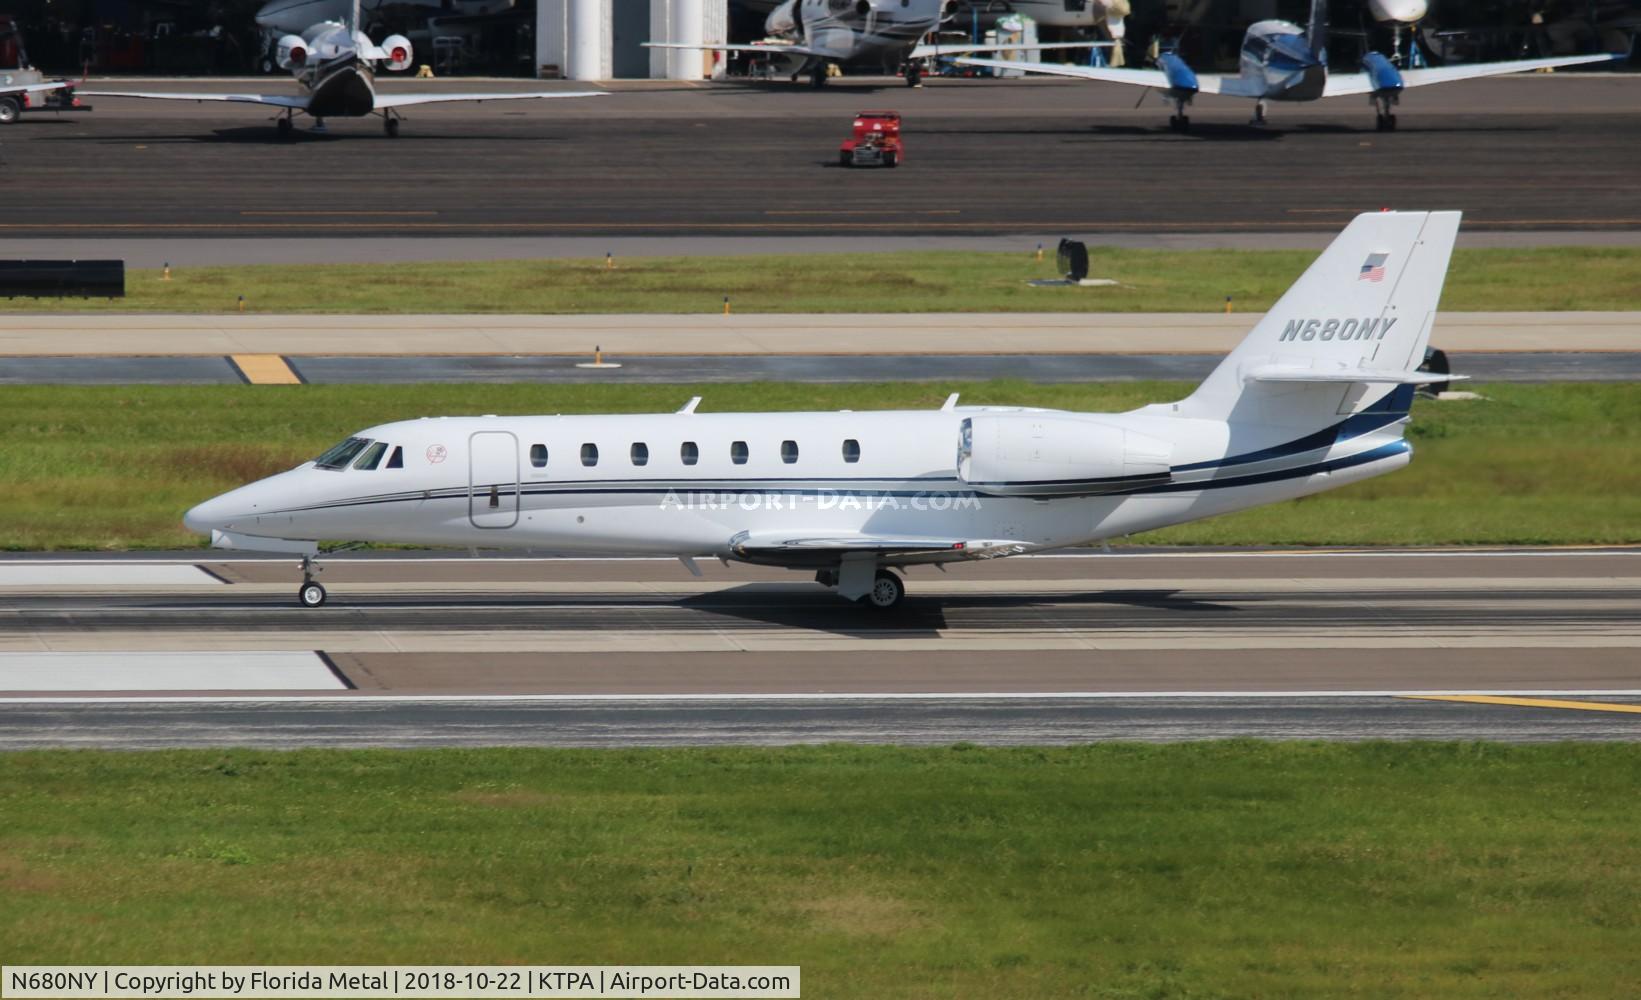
(1316, 29)
(1349, 331)
(354, 19)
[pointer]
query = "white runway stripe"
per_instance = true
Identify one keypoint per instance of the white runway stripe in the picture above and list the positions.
(167, 671)
(110, 573)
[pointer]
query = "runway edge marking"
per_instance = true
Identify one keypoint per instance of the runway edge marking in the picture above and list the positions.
(1494, 699)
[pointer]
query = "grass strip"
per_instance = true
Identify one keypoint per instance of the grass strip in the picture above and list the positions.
(1231, 869)
(1543, 278)
(98, 467)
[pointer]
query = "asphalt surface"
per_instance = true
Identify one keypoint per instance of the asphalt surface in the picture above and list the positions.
(695, 369)
(1169, 645)
(1048, 157)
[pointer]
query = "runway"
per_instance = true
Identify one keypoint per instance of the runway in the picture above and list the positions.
(1525, 366)
(760, 160)
(423, 650)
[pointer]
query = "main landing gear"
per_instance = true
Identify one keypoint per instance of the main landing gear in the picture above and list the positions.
(914, 75)
(1179, 121)
(1384, 118)
(817, 77)
(883, 590)
(1259, 115)
(390, 124)
(285, 125)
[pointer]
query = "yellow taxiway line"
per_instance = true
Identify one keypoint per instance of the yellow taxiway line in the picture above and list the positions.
(265, 369)
(1493, 699)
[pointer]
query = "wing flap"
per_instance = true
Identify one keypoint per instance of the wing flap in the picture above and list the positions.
(796, 549)
(936, 51)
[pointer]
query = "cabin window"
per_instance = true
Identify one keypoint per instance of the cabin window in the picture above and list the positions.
(589, 454)
(640, 453)
(688, 453)
(372, 457)
(339, 456)
(789, 452)
(538, 456)
(738, 452)
(397, 459)
(851, 450)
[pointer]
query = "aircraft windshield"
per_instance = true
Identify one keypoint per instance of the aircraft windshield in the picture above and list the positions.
(339, 456)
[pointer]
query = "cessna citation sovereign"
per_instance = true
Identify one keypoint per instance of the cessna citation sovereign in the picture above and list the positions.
(1315, 397)
(1282, 61)
(333, 61)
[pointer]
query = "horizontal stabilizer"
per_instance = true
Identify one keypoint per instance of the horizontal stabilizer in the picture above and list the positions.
(1288, 373)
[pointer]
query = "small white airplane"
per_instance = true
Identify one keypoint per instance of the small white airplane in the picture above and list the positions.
(1316, 397)
(334, 62)
(1282, 61)
(812, 33)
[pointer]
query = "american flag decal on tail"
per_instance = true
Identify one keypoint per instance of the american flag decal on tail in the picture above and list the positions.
(1373, 269)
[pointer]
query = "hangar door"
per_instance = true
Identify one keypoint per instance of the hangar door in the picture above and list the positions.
(629, 30)
(493, 479)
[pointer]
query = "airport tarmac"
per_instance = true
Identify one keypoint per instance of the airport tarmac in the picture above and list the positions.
(760, 159)
(1523, 366)
(417, 650)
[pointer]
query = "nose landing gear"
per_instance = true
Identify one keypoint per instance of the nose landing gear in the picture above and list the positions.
(312, 593)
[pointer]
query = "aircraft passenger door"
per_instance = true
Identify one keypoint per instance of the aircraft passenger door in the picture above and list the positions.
(493, 479)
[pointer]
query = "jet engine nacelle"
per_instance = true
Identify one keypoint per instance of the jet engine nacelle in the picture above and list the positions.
(292, 52)
(398, 52)
(1051, 455)
(1398, 11)
(784, 20)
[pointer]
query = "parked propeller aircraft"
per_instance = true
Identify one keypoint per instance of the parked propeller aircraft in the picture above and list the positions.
(1282, 61)
(1317, 396)
(812, 33)
(334, 62)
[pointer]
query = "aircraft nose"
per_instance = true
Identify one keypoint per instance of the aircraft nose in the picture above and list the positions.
(206, 517)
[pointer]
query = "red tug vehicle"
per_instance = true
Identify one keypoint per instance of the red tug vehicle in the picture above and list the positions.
(875, 142)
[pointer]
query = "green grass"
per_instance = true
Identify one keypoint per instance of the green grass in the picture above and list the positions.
(1117, 871)
(1548, 278)
(115, 467)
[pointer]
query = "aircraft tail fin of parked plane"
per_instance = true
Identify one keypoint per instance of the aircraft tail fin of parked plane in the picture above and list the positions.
(1358, 320)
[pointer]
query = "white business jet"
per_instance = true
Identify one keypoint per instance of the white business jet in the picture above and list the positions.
(1282, 61)
(813, 33)
(334, 62)
(1315, 397)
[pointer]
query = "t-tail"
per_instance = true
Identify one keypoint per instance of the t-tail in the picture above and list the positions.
(1316, 29)
(1347, 338)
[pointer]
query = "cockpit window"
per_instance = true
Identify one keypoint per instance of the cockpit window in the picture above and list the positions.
(397, 459)
(372, 457)
(339, 456)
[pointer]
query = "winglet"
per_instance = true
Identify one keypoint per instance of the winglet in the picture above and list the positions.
(690, 406)
(950, 404)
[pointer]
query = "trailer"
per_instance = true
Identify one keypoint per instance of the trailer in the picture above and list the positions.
(18, 78)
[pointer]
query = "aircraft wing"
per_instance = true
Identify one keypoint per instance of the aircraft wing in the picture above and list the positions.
(811, 549)
(406, 100)
(1154, 78)
(32, 88)
(1346, 84)
(936, 51)
(767, 50)
(274, 100)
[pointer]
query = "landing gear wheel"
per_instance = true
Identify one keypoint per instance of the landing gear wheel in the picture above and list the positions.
(1390, 123)
(311, 594)
(914, 76)
(1179, 123)
(391, 127)
(285, 128)
(817, 77)
(9, 110)
(887, 591)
